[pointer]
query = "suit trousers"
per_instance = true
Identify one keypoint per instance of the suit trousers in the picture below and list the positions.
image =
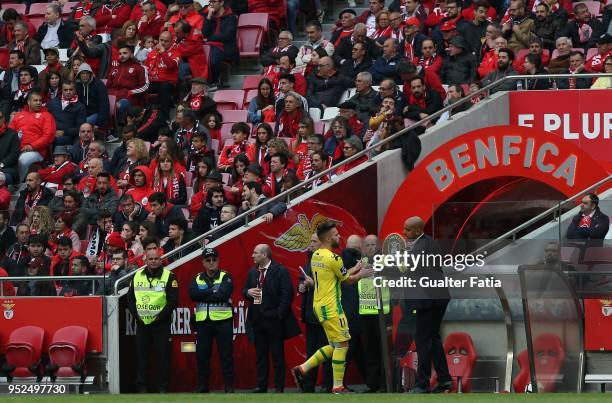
(429, 344)
(270, 342)
(315, 339)
(158, 335)
(222, 332)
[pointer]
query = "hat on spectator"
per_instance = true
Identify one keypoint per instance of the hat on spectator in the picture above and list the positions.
(199, 80)
(347, 105)
(255, 169)
(604, 39)
(115, 240)
(214, 176)
(414, 21)
(347, 10)
(84, 67)
(209, 252)
(54, 50)
(184, 2)
(448, 25)
(459, 42)
(36, 262)
(61, 150)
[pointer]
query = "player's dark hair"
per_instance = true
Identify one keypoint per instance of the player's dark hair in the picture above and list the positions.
(324, 228)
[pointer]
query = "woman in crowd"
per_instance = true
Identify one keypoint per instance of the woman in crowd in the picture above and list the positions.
(169, 178)
(169, 149)
(129, 34)
(52, 86)
(261, 108)
(212, 122)
(74, 65)
(299, 145)
(63, 227)
(40, 221)
(533, 67)
(135, 155)
(240, 164)
(289, 119)
(129, 233)
(258, 150)
(341, 130)
(384, 30)
(278, 146)
(351, 146)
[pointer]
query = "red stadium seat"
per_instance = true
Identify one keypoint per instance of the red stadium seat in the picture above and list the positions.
(249, 96)
(591, 52)
(598, 255)
(522, 53)
(254, 20)
(20, 8)
(593, 6)
(226, 133)
(251, 29)
(555, 53)
(233, 116)
(251, 82)
(549, 356)
(37, 9)
(229, 99)
(84, 245)
(36, 20)
(4, 58)
(23, 352)
(461, 358)
(67, 352)
(569, 254)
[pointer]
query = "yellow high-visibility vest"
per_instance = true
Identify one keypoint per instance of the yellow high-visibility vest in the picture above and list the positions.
(215, 310)
(150, 295)
(367, 297)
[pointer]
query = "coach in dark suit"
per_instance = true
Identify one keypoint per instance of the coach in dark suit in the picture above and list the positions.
(430, 305)
(270, 319)
(590, 225)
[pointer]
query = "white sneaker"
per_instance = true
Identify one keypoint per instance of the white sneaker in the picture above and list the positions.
(352, 4)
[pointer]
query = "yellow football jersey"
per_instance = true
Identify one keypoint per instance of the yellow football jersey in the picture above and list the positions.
(328, 271)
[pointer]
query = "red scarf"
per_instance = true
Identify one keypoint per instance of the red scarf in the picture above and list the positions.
(426, 62)
(196, 101)
(23, 90)
(288, 125)
(82, 10)
(171, 187)
(408, 49)
(31, 202)
(420, 102)
(66, 102)
(55, 67)
(383, 32)
(21, 45)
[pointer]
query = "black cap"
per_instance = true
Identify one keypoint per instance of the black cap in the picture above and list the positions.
(209, 252)
(347, 105)
(255, 169)
(459, 42)
(184, 2)
(347, 10)
(603, 39)
(214, 176)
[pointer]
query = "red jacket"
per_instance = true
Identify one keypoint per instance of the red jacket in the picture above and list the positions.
(55, 260)
(38, 129)
(275, 9)
(109, 17)
(351, 165)
(137, 13)
(151, 27)
(596, 63)
(129, 81)
(518, 62)
(53, 174)
(5, 198)
(434, 64)
(431, 81)
(7, 287)
(141, 194)
(228, 153)
(191, 48)
(194, 19)
(163, 66)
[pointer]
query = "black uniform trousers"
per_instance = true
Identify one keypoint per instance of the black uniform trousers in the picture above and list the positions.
(370, 329)
(158, 335)
(270, 341)
(165, 91)
(429, 344)
(220, 331)
(315, 339)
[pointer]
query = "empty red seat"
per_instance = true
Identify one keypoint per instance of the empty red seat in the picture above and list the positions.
(549, 356)
(251, 82)
(229, 99)
(250, 94)
(38, 8)
(36, 20)
(226, 133)
(67, 352)
(569, 254)
(233, 116)
(251, 29)
(20, 8)
(461, 357)
(4, 58)
(598, 255)
(23, 352)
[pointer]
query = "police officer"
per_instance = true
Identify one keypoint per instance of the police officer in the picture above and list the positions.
(152, 297)
(211, 290)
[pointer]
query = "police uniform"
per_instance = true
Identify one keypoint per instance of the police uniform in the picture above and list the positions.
(151, 299)
(213, 321)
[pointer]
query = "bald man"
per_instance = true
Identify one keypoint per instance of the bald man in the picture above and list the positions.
(270, 318)
(33, 195)
(430, 305)
(370, 246)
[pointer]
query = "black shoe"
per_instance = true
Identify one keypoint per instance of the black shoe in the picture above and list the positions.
(202, 389)
(446, 387)
(279, 390)
(418, 390)
(298, 377)
(260, 390)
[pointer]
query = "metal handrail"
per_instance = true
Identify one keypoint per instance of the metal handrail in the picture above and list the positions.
(53, 278)
(365, 152)
(533, 220)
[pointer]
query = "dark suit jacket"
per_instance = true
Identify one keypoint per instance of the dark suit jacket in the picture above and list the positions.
(277, 296)
(65, 34)
(600, 223)
(424, 298)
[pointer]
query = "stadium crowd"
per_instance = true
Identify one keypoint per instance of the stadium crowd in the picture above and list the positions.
(111, 140)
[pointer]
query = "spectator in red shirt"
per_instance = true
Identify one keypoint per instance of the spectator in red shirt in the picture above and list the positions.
(604, 49)
(163, 65)
(489, 61)
(145, 12)
(189, 47)
(112, 15)
(128, 81)
(429, 59)
(240, 132)
(61, 166)
(5, 195)
(287, 124)
(37, 128)
(184, 10)
(141, 182)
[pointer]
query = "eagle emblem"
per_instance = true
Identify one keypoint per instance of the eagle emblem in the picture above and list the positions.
(297, 237)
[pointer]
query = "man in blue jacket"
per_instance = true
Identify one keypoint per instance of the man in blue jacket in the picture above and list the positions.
(69, 114)
(386, 65)
(220, 32)
(93, 94)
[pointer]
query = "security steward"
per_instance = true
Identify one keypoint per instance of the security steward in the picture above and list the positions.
(152, 297)
(211, 290)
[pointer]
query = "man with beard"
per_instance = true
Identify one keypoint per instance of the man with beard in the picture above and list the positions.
(17, 255)
(423, 102)
(585, 29)
(33, 195)
(102, 198)
(505, 57)
(590, 224)
(7, 235)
